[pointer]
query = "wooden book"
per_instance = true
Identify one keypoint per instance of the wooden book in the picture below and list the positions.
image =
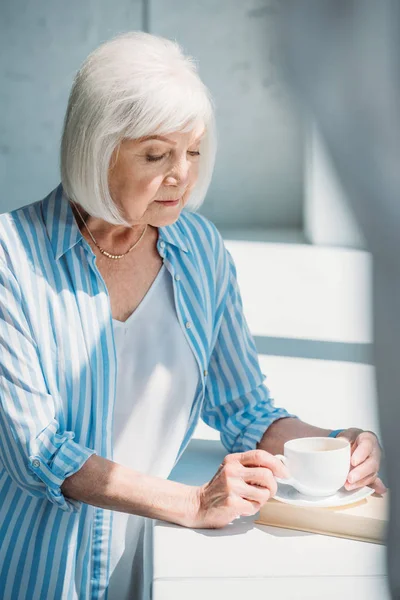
(365, 521)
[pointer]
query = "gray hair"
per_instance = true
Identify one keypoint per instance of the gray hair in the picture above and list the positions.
(132, 86)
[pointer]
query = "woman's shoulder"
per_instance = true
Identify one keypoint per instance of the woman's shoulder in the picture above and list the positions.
(16, 228)
(205, 243)
(10, 220)
(192, 224)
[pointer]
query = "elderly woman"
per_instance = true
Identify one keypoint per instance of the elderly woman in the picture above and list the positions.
(121, 324)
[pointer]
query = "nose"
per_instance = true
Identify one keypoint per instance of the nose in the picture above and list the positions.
(179, 174)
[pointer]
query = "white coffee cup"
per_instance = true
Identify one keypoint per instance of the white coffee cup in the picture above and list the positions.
(318, 466)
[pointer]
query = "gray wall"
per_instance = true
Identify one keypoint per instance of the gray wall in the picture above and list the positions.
(258, 177)
(41, 47)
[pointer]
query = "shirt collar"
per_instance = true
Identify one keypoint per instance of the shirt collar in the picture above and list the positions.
(64, 232)
(172, 234)
(60, 222)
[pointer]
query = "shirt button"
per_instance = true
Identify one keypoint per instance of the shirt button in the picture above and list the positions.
(177, 277)
(188, 324)
(36, 463)
(162, 244)
(205, 372)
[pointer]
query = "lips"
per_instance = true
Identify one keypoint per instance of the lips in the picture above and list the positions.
(173, 202)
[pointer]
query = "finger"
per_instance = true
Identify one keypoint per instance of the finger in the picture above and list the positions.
(260, 477)
(261, 458)
(253, 493)
(366, 469)
(363, 448)
(370, 480)
(248, 508)
(379, 486)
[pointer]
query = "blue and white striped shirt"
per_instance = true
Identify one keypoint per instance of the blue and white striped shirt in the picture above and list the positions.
(58, 381)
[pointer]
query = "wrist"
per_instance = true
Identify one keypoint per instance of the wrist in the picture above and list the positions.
(335, 433)
(190, 514)
(177, 503)
(351, 433)
(189, 507)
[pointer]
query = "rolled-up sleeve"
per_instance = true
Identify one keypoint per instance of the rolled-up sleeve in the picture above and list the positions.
(237, 402)
(35, 449)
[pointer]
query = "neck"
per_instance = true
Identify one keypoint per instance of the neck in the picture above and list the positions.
(114, 238)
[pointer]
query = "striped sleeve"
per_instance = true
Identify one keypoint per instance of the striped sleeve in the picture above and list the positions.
(35, 450)
(237, 403)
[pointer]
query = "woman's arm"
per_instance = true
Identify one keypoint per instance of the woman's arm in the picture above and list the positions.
(109, 485)
(237, 403)
(41, 457)
(241, 485)
(35, 450)
(283, 430)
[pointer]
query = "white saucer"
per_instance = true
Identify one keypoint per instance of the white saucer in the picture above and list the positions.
(289, 495)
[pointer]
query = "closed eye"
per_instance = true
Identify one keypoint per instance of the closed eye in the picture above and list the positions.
(155, 158)
(152, 158)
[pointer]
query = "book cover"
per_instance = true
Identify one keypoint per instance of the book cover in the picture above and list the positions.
(365, 521)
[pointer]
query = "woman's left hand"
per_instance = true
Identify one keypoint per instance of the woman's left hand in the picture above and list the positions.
(365, 460)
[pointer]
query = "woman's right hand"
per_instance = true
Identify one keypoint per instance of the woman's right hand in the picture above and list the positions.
(243, 483)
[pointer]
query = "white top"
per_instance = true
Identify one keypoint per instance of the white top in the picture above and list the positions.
(156, 384)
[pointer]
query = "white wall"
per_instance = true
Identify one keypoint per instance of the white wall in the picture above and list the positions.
(328, 219)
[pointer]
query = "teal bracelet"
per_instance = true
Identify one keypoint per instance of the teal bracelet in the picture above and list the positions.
(335, 433)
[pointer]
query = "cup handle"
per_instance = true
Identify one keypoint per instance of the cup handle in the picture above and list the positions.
(283, 459)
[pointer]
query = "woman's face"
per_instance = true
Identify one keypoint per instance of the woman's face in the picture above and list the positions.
(149, 171)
